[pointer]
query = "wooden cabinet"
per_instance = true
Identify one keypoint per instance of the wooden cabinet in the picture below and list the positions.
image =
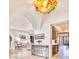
(53, 33)
(54, 37)
(55, 49)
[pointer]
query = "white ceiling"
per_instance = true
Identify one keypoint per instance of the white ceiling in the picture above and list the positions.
(23, 15)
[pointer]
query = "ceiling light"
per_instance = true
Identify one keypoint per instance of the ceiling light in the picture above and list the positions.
(45, 6)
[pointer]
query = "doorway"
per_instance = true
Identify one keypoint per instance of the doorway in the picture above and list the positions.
(60, 39)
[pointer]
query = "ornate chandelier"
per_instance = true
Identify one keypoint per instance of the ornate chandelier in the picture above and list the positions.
(45, 6)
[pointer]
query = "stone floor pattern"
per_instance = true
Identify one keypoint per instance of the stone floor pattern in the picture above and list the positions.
(22, 53)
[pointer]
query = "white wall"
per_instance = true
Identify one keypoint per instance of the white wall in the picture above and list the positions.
(46, 28)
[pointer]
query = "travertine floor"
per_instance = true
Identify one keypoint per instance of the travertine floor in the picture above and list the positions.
(23, 53)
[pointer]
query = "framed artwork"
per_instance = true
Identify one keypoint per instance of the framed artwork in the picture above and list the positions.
(39, 36)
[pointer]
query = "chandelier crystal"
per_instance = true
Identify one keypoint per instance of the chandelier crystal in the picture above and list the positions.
(45, 6)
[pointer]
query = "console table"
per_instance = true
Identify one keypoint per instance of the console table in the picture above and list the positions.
(40, 50)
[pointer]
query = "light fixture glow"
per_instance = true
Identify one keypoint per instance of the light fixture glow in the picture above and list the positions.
(45, 6)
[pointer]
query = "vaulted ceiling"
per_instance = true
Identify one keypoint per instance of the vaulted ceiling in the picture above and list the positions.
(23, 15)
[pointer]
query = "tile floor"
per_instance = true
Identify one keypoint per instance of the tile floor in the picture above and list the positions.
(22, 53)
